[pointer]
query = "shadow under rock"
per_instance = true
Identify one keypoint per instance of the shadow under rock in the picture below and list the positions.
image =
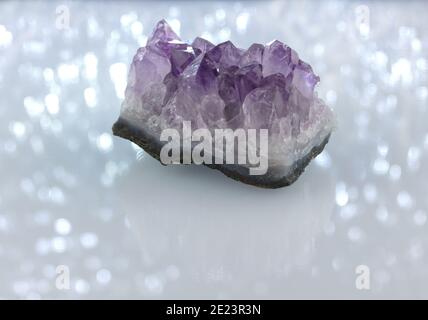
(218, 232)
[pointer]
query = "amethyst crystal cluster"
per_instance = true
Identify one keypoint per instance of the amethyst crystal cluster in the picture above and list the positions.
(222, 86)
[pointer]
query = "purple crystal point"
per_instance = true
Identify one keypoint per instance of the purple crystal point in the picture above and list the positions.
(253, 55)
(225, 55)
(149, 68)
(200, 45)
(225, 87)
(304, 79)
(247, 79)
(162, 33)
(180, 59)
(278, 58)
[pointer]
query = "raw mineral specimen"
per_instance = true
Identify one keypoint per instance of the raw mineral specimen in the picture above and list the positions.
(225, 87)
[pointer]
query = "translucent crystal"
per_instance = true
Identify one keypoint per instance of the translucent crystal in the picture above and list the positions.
(223, 86)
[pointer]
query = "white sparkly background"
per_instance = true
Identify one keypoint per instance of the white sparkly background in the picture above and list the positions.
(72, 194)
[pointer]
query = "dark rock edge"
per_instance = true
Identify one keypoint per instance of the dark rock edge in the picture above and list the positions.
(125, 129)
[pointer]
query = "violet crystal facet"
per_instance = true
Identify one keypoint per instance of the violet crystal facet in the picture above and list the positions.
(222, 86)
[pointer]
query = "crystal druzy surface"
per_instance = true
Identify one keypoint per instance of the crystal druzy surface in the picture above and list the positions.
(222, 86)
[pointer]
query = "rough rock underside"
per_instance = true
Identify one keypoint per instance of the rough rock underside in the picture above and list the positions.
(225, 87)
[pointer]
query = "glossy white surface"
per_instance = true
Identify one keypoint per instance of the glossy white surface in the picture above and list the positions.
(126, 227)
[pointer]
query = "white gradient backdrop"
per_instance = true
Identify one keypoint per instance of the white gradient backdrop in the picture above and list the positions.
(72, 194)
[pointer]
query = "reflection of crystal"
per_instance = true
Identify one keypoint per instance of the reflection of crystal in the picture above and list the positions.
(222, 86)
(246, 236)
